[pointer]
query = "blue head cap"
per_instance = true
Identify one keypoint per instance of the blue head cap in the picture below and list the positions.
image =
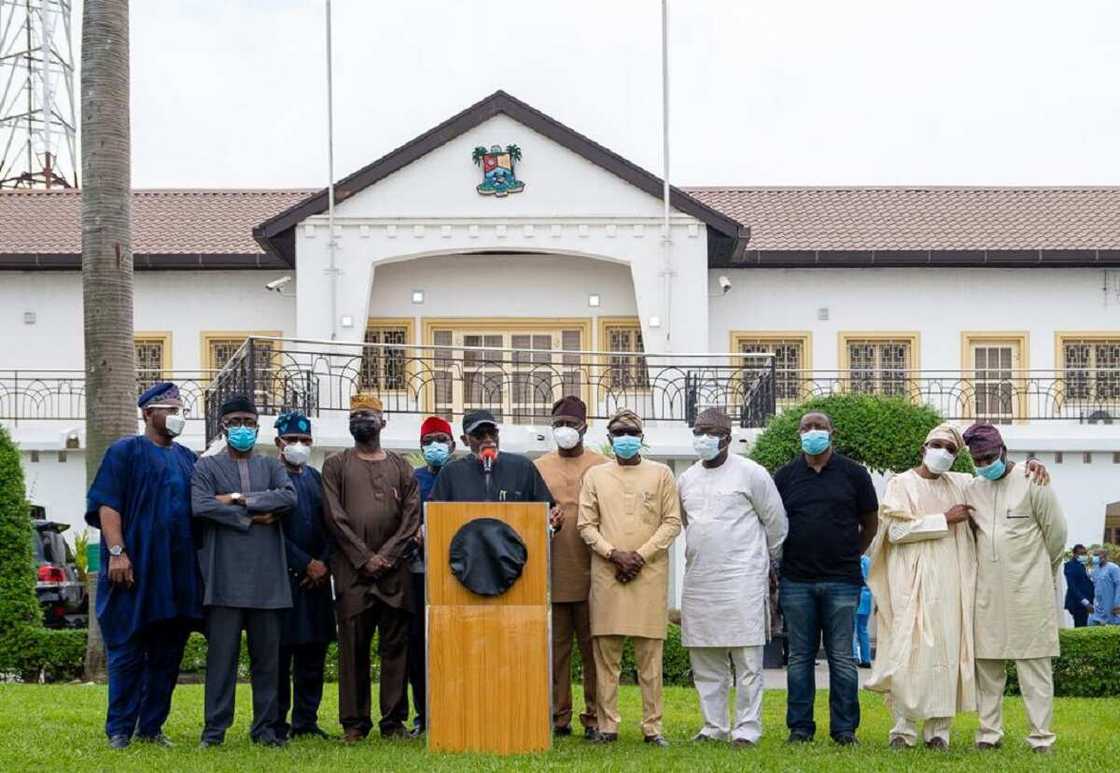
(292, 423)
(157, 393)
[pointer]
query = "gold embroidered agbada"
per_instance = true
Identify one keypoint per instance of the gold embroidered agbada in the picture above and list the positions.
(923, 578)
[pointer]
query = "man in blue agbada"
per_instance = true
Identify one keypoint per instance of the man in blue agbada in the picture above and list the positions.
(149, 592)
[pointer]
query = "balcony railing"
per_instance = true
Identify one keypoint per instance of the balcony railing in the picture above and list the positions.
(38, 395)
(518, 385)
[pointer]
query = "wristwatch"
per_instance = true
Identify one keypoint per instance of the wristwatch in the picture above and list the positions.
(116, 550)
(236, 498)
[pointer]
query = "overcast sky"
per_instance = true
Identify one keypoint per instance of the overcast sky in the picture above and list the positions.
(233, 93)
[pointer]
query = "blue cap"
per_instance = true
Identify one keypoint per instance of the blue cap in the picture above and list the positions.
(292, 423)
(162, 391)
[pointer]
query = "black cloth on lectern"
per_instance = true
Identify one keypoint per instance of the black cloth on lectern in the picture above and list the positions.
(487, 556)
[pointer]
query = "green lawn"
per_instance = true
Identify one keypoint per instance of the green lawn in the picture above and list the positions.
(59, 727)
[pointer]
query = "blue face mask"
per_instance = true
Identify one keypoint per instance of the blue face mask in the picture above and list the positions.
(1096, 560)
(241, 438)
(436, 454)
(815, 441)
(993, 471)
(626, 446)
(1083, 559)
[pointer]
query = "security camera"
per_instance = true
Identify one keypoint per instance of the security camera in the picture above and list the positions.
(724, 284)
(276, 284)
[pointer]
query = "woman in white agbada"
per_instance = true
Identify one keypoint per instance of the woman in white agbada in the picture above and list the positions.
(734, 526)
(923, 576)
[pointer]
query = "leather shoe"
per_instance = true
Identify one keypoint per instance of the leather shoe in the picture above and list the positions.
(210, 743)
(353, 736)
(845, 739)
(987, 746)
(1043, 750)
(742, 743)
(562, 732)
(271, 740)
(657, 740)
(311, 732)
(799, 737)
(119, 742)
(590, 732)
(417, 732)
(603, 737)
(937, 744)
(898, 743)
(159, 739)
(396, 731)
(703, 738)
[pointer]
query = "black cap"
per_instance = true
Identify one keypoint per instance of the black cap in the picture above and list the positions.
(238, 404)
(476, 419)
(487, 556)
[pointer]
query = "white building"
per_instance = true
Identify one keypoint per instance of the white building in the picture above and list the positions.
(992, 302)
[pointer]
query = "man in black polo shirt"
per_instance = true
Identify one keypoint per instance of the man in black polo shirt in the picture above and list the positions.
(833, 516)
(487, 475)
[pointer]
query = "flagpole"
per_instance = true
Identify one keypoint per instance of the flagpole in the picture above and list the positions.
(332, 269)
(666, 239)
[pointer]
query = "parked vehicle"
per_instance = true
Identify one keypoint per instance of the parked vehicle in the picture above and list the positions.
(62, 593)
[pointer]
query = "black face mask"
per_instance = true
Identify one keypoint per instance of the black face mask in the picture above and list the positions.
(365, 430)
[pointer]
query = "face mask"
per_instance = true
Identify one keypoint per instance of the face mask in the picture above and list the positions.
(706, 446)
(626, 446)
(296, 454)
(938, 460)
(174, 424)
(1096, 560)
(566, 437)
(241, 438)
(815, 441)
(993, 471)
(365, 430)
(436, 454)
(1083, 559)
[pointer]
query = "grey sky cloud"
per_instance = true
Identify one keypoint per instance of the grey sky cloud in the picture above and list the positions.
(763, 93)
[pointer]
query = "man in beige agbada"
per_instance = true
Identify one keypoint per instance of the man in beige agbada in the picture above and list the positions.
(629, 515)
(923, 577)
(1020, 538)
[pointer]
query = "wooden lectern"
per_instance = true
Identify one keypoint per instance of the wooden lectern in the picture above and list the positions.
(489, 657)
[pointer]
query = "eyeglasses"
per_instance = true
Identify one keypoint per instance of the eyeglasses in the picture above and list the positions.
(239, 422)
(629, 432)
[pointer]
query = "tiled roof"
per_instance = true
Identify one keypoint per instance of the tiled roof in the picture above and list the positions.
(922, 218)
(209, 226)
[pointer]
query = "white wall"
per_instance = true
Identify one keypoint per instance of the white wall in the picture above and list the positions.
(183, 302)
(523, 285)
(939, 303)
(59, 486)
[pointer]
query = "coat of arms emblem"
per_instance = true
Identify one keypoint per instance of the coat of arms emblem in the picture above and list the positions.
(498, 176)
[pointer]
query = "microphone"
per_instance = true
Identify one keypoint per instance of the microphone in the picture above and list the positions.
(488, 455)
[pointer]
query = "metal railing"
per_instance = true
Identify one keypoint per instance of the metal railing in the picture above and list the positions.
(518, 385)
(37, 395)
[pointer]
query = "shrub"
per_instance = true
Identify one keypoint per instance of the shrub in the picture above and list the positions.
(1089, 666)
(34, 653)
(676, 668)
(882, 433)
(20, 617)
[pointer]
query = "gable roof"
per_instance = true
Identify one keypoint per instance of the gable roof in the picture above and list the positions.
(727, 236)
(170, 228)
(924, 225)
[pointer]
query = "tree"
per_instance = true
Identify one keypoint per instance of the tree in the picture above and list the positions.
(110, 357)
(882, 433)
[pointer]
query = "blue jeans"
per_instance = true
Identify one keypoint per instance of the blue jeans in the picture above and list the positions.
(813, 610)
(142, 675)
(861, 644)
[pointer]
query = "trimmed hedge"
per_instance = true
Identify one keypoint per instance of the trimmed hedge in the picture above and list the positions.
(676, 668)
(1089, 666)
(882, 433)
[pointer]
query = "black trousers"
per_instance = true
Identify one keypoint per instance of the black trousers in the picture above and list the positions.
(418, 654)
(300, 687)
(355, 635)
(1080, 617)
(223, 646)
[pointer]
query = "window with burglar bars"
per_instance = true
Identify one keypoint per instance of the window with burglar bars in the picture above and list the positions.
(625, 372)
(516, 374)
(152, 353)
(383, 367)
(789, 362)
(1091, 368)
(879, 366)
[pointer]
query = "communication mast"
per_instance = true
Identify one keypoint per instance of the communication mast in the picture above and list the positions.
(37, 124)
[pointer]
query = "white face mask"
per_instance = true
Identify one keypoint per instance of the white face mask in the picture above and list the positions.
(706, 446)
(296, 454)
(566, 437)
(174, 424)
(938, 460)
